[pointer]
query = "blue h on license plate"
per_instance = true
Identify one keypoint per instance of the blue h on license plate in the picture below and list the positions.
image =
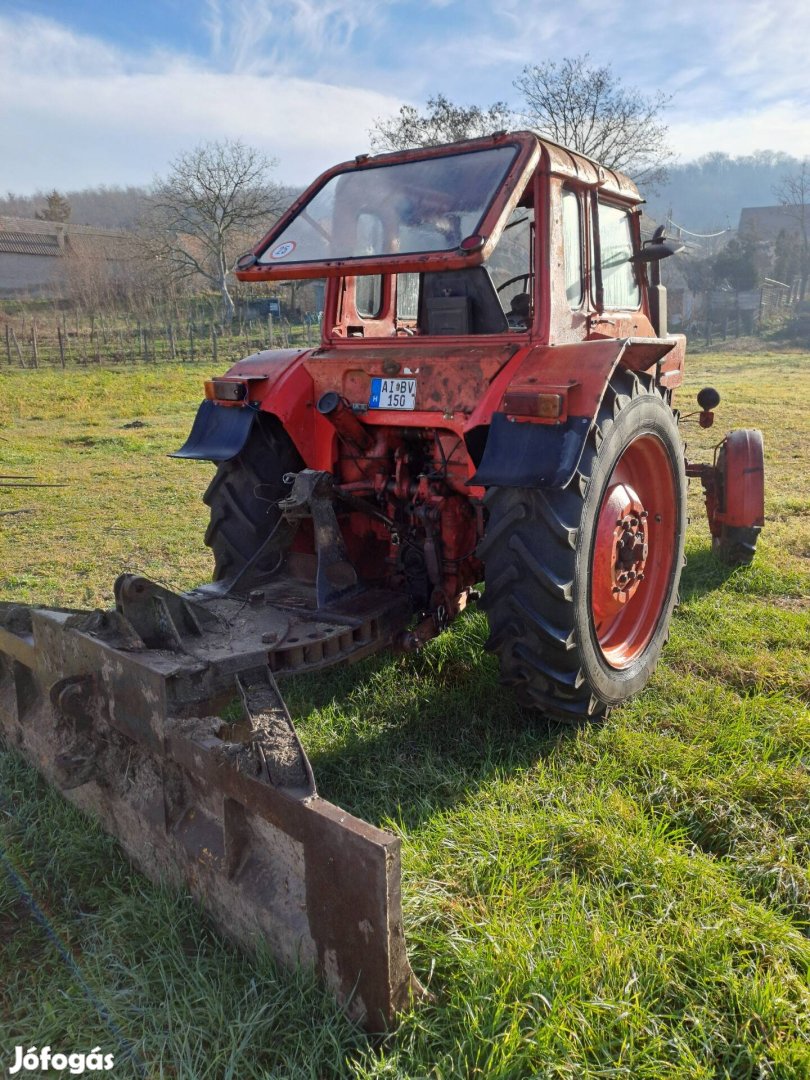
(392, 394)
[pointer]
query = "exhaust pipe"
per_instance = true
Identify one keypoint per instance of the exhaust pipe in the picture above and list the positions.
(340, 416)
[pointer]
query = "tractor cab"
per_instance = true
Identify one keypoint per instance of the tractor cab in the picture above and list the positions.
(507, 235)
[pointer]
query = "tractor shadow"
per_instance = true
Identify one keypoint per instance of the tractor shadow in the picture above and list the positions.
(704, 573)
(405, 738)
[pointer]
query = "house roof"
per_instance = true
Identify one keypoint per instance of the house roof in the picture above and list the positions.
(30, 236)
(18, 242)
(766, 222)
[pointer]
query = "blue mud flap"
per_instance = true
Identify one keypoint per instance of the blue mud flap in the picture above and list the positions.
(218, 432)
(531, 455)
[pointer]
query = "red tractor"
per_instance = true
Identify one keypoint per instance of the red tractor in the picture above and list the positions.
(491, 400)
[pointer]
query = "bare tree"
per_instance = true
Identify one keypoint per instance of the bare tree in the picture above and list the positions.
(793, 193)
(587, 108)
(442, 122)
(213, 201)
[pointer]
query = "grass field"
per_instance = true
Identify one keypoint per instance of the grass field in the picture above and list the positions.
(630, 900)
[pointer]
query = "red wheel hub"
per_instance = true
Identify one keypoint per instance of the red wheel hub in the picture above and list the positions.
(621, 549)
(633, 552)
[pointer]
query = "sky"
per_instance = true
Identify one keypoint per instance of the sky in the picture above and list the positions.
(93, 92)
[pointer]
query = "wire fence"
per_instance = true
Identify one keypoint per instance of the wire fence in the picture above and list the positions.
(81, 339)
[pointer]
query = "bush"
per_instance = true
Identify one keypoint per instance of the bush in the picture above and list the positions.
(797, 327)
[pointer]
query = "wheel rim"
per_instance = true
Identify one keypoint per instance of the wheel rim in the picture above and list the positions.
(634, 551)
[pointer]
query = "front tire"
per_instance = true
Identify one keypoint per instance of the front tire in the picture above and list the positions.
(740, 486)
(581, 582)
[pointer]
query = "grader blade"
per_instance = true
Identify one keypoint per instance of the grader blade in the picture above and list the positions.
(119, 710)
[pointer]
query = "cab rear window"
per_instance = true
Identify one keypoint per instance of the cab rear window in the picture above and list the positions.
(405, 208)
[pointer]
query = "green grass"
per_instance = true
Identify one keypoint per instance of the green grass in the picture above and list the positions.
(626, 900)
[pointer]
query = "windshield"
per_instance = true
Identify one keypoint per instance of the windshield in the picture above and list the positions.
(406, 208)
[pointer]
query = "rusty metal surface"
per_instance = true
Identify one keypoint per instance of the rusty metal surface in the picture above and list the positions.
(130, 733)
(313, 496)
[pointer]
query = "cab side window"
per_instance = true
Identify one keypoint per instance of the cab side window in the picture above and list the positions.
(572, 248)
(408, 297)
(510, 267)
(368, 296)
(369, 287)
(620, 286)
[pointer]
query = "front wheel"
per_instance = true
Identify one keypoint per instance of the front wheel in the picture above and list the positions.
(739, 507)
(581, 582)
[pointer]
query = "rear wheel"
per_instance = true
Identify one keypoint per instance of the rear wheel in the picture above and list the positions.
(243, 497)
(581, 582)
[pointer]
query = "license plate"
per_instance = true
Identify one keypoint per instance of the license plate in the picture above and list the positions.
(392, 394)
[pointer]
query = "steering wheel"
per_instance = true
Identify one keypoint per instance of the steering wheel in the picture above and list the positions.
(525, 278)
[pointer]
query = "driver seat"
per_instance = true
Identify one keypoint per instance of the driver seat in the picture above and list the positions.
(460, 302)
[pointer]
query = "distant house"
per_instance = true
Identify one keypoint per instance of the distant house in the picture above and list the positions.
(766, 222)
(34, 254)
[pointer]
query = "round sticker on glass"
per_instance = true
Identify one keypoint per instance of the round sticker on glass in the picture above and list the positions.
(283, 250)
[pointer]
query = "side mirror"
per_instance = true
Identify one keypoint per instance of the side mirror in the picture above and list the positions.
(659, 247)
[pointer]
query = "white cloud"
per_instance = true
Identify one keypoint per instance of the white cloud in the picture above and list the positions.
(303, 80)
(86, 114)
(272, 36)
(775, 127)
(34, 44)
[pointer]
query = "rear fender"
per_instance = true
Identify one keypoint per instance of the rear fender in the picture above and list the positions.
(523, 451)
(278, 384)
(218, 432)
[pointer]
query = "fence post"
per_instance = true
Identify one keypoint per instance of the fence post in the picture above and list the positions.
(214, 343)
(172, 346)
(191, 339)
(270, 328)
(17, 347)
(61, 345)
(8, 345)
(34, 346)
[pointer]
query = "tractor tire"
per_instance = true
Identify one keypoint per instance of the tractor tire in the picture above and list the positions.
(575, 628)
(243, 496)
(740, 473)
(736, 545)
